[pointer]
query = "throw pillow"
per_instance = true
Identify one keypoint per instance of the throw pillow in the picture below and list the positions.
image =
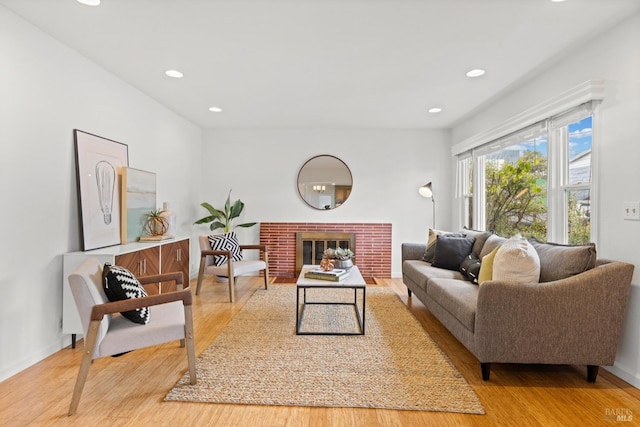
(481, 237)
(225, 242)
(470, 267)
(120, 284)
(486, 268)
(432, 241)
(451, 251)
(490, 244)
(517, 261)
(561, 261)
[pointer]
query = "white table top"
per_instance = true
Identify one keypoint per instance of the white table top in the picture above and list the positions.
(354, 278)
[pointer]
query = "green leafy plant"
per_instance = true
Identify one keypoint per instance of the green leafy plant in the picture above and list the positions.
(223, 218)
(339, 254)
(516, 196)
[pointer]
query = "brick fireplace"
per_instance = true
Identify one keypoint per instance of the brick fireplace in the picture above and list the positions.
(372, 243)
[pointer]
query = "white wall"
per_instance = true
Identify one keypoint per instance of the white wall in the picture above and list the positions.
(388, 166)
(614, 56)
(46, 91)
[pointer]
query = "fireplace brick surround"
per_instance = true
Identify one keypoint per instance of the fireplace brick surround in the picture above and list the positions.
(373, 245)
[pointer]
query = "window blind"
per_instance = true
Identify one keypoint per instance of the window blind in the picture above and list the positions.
(527, 134)
(572, 115)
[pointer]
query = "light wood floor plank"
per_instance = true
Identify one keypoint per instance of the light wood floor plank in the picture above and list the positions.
(129, 390)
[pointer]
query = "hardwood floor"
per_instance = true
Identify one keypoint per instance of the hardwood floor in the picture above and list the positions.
(129, 390)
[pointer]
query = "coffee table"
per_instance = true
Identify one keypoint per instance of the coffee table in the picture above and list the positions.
(353, 282)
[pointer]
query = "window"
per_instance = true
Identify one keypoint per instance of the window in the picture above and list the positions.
(516, 189)
(577, 188)
(536, 181)
(465, 190)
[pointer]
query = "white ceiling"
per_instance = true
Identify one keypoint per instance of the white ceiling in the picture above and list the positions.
(324, 63)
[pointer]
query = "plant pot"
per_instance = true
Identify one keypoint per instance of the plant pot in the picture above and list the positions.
(157, 226)
(343, 264)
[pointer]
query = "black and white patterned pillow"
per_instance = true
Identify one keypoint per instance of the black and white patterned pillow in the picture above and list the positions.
(225, 242)
(119, 284)
(470, 267)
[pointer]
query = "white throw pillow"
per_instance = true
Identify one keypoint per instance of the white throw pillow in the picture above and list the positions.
(516, 261)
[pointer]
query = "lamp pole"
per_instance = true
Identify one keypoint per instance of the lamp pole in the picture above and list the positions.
(427, 192)
(434, 212)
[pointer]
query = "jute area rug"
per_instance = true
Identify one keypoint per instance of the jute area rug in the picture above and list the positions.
(258, 359)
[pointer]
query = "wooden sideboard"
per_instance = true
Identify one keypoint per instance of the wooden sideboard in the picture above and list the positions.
(141, 258)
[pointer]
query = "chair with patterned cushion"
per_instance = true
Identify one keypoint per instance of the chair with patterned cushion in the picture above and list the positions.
(226, 261)
(108, 333)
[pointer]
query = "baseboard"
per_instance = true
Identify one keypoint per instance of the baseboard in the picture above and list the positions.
(21, 365)
(632, 378)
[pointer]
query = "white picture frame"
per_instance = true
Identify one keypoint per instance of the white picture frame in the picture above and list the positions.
(99, 163)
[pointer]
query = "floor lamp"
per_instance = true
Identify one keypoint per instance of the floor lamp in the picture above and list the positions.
(426, 191)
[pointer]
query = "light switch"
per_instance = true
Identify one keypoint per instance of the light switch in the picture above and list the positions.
(631, 211)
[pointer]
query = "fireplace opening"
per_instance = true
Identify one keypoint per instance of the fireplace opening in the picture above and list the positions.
(311, 245)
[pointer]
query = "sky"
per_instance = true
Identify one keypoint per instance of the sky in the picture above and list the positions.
(579, 136)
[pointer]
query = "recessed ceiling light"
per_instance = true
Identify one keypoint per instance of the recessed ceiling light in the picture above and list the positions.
(90, 2)
(215, 109)
(174, 73)
(476, 72)
(435, 110)
(557, 1)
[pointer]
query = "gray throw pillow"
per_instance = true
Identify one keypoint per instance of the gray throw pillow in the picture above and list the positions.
(561, 261)
(451, 251)
(481, 237)
(490, 244)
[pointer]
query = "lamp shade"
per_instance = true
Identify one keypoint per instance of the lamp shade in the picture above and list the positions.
(425, 190)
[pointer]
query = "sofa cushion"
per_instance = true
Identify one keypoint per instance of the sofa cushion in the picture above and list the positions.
(492, 242)
(451, 251)
(516, 261)
(481, 238)
(486, 267)
(420, 272)
(458, 297)
(562, 261)
(470, 267)
(432, 241)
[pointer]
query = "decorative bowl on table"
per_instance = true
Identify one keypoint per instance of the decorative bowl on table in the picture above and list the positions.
(340, 258)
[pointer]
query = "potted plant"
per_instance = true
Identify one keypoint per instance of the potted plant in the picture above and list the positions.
(156, 224)
(339, 257)
(223, 218)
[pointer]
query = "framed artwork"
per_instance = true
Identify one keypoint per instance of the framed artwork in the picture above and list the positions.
(138, 198)
(99, 163)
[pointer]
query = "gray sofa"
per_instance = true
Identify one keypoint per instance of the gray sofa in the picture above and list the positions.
(569, 317)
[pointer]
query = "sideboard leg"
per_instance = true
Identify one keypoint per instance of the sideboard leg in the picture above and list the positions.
(73, 340)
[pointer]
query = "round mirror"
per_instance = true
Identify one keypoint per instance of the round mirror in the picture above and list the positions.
(324, 182)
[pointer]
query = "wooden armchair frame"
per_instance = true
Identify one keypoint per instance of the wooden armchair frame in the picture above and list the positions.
(230, 270)
(100, 310)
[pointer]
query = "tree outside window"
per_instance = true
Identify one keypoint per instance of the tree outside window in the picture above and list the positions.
(516, 191)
